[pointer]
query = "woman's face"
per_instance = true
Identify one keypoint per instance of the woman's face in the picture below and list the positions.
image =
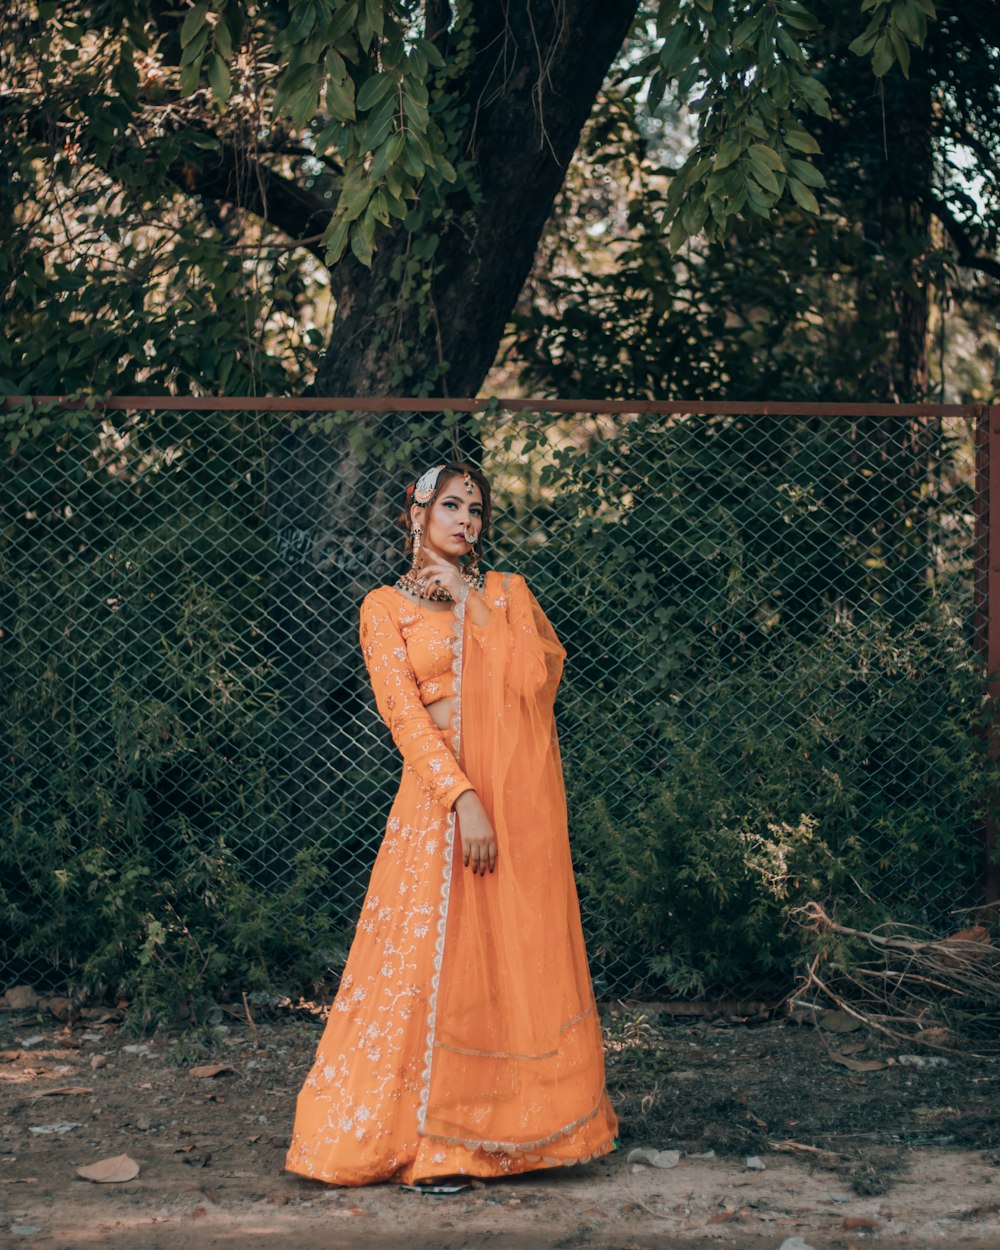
(453, 522)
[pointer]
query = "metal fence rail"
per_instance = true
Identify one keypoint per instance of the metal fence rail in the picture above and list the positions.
(775, 626)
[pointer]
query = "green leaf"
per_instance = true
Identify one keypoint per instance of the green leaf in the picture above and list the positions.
(864, 43)
(335, 240)
(190, 76)
(882, 57)
(361, 248)
(764, 174)
(222, 40)
(902, 50)
(413, 162)
(806, 173)
(729, 150)
(788, 45)
(340, 99)
(678, 235)
(373, 90)
(745, 31)
(801, 141)
(377, 126)
(445, 168)
(803, 196)
(193, 22)
(768, 156)
(657, 87)
(218, 78)
(430, 51)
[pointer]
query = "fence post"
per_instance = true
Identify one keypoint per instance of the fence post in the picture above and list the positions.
(986, 622)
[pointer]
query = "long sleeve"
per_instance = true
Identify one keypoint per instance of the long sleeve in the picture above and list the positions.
(394, 684)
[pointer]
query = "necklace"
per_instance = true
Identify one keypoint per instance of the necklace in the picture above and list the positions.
(409, 583)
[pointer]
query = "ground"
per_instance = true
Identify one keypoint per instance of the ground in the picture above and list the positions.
(901, 1155)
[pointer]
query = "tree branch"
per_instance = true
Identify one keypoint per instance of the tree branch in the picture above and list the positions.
(967, 254)
(230, 176)
(437, 20)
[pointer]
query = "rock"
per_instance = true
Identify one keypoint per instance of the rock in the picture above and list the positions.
(795, 1243)
(98, 1061)
(20, 998)
(24, 1230)
(923, 1061)
(754, 1163)
(654, 1158)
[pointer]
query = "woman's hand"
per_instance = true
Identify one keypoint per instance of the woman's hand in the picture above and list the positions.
(436, 571)
(479, 842)
(443, 573)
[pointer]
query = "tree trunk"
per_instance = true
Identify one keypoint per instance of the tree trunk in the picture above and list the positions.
(533, 82)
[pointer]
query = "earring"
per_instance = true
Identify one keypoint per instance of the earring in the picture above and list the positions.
(417, 531)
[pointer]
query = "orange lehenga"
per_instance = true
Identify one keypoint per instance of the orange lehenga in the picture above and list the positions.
(464, 1037)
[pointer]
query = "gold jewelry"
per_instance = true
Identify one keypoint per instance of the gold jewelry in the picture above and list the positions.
(472, 579)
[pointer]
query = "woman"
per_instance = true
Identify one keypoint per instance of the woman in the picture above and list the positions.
(464, 1038)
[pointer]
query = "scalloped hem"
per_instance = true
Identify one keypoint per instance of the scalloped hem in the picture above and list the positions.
(458, 1161)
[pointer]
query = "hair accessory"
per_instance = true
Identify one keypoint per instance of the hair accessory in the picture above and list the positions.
(470, 485)
(426, 484)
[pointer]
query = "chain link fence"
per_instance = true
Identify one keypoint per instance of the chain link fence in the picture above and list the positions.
(773, 690)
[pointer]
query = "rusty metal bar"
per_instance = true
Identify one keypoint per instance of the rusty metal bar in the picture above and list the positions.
(397, 403)
(991, 872)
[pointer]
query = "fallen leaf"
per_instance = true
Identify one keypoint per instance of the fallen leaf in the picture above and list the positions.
(856, 1222)
(852, 1048)
(59, 1007)
(935, 1036)
(722, 1217)
(838, 1021)
(110, 1171)
(977, 933)
(858, 1065)
(65, 1089)
(211, 1069)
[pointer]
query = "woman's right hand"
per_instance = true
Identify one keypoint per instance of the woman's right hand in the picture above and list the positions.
(479, 842)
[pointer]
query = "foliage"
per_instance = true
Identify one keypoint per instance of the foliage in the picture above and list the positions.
(182, 183)
(782, 704)
(770, 698)
(147, 845)
(812, 307)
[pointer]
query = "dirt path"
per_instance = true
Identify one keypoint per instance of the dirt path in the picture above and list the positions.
(901, 1156)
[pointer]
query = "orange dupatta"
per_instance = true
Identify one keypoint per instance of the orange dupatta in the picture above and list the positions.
(514, 1057)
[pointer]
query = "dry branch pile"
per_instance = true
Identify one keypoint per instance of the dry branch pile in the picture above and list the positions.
(906, 983)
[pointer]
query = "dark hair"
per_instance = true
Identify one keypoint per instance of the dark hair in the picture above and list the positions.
(451, 470)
